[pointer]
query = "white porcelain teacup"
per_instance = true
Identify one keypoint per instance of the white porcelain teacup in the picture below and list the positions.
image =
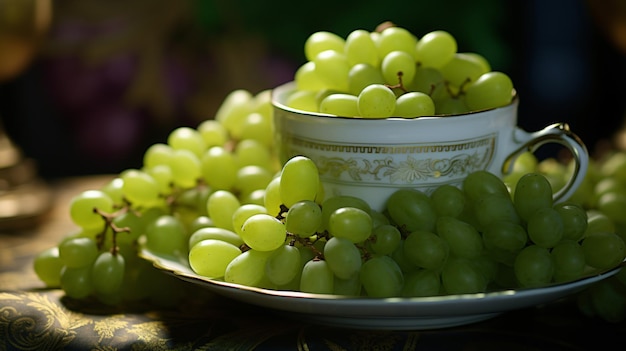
(372, 158)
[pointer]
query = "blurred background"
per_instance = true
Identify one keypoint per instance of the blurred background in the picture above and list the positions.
(87, 85)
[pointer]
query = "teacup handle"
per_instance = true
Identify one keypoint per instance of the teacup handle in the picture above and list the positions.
(558, 133)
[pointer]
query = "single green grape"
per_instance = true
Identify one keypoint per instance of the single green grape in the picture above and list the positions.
(381, 277)
(107, 273)
(210, 257)
(376, 101)
(299, 180)
(317, 278)
(342, 257)
(283, 265)
(350, 223)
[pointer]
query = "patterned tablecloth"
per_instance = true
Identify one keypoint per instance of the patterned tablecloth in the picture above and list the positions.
(35, 318)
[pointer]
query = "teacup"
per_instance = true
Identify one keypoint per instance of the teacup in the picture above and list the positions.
(372, 158)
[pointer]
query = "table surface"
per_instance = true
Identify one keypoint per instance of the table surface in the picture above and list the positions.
(36, 318)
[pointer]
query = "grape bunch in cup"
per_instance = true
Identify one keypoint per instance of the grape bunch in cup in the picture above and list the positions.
(390, 72)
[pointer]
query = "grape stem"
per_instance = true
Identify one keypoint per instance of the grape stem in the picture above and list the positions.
(108, 223)
(400, 84)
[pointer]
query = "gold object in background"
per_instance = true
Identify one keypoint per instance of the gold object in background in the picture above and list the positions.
(23, 196)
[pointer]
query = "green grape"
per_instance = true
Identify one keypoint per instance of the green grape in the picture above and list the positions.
(272, 199)
(503, 240)
(342, 257)
(532, 192)
(491, 208)
(210, 257)
(47, 265)
(414, 104)
(376, 101)
(220, 207)
(385, 239)
(451, 105)
(525, 163)
(186, 138)
(402, 260)
(216, 234)
(480, 60)
(347, 287)
(426, 80)
(462, 238)
(167, 235)
(462, 69)
(492, 89)
(603, 250)
(487, 266)
(244, 212)
(361, 75)
(163, 176)
(304, 100)
(545, 227)
(248, 268)
(395, 39)
(262, 232)
(157, 154)
(334, 203)
(186, 168)
(612, 205)
(259, 127)
(381, 277)
(283, 265)
(360, 48)
(322, 41)
(332, 67)
(299, 180)
(307, 80)
(534, 267)
(114, 190)
(448, 200)
(77, 282)
(82, 208)
(250, 152)
(569, 261)
(139, 188)
(435, 49)
(398, 66)
(107, 273)
(304, 218)
(350, 223)
(574, 220)
(219, 168)
(459, 276)
(251, 178)
(614, 166)
(213, 133)
(233, 111)
(340, 105)
(481, 183)
(317, 278)
(412, 210)
(78, 252)
(421, 283)
(378, 218)
(426, 249)
(200, 222)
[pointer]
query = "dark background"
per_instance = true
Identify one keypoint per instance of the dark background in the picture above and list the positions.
(113, 77)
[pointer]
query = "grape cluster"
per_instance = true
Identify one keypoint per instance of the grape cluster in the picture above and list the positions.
(390, 72)
(603, 196)
(161, 203)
